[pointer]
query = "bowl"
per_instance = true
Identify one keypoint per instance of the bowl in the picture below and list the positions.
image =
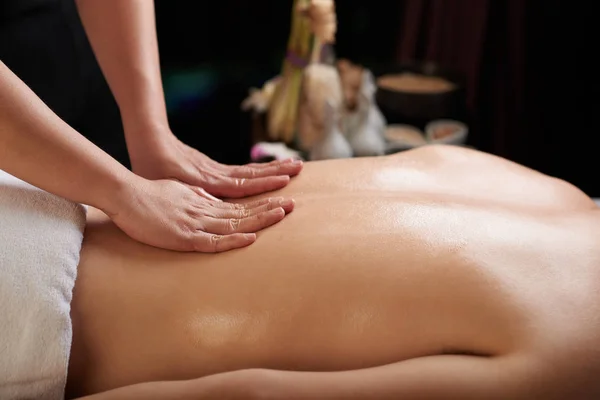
(446, 131)
(419, 92)
(401, 137)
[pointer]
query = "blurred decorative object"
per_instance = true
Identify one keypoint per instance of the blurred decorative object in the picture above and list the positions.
(351, 76)
(323, 110)
(366, 125)
(323, 23)
(414, 83)
(403, 137)
(259, 100)
(331, 144)
(320, 84)
(418, 93)
(313, 26)
(329, 89)
(267, 151)
(446, 131)
(258, 103)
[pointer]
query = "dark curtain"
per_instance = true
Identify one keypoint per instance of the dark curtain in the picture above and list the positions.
(530, 76)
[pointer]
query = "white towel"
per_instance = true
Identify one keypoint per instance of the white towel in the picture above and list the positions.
(40, 240)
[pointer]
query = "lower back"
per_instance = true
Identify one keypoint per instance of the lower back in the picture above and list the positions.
(341, 283)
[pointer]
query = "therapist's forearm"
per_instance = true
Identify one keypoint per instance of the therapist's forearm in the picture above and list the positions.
(123, 36)
(38, 147)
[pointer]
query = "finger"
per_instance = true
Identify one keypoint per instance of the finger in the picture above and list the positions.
(271, 204)
(226, 205)
(274, 162)
(254, 223)
(242, 187)
(286, 204)
(260, 171)
(209, 243)
(203, 193)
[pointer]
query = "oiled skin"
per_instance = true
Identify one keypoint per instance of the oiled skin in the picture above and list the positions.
(439, 250)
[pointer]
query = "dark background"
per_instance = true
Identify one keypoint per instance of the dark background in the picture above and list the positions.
(530, 65)
(530, 69)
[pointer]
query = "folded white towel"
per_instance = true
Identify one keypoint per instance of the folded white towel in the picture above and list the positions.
(40, 240)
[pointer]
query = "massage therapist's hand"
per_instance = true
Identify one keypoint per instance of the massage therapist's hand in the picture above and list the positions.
(169, 158)
(175, 216)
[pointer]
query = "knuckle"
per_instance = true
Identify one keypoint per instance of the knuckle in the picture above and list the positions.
(234, 224)
(273, 204)
(243, 213)
(215, 240)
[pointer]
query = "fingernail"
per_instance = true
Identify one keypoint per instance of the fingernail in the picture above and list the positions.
(288, 160)
(297, 162)
(249, 236)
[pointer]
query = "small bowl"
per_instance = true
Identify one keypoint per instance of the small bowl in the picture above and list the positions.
(446, 131)
(403, 137)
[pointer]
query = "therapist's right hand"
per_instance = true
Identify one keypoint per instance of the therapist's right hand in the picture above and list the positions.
(172, 215)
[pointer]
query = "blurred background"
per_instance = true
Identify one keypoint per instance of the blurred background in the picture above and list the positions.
(528, 66)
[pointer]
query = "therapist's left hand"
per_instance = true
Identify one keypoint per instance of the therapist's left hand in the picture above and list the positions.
(169, 158)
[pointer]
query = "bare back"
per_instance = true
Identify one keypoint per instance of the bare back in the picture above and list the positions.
(434, 251)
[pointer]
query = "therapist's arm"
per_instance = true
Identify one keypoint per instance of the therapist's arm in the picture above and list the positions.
(123, 36)
(38, 147)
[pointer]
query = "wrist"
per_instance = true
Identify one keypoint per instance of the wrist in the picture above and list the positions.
(119, 193)
(145, 127)
(145, 141)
